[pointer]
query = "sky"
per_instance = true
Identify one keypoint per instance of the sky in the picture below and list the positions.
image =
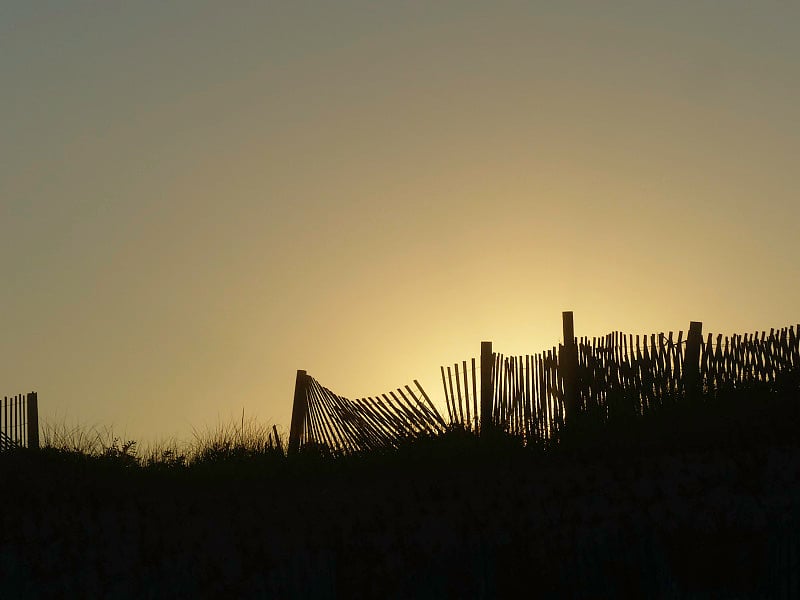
(199, 198)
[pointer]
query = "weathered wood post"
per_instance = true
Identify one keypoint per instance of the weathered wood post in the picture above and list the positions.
(299, 410)
(691, 360)
(568, 365)
(32, 419)
(487, 386)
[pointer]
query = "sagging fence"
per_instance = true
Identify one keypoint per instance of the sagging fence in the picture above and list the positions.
(19, 422)
(322, 417)
(534, 395)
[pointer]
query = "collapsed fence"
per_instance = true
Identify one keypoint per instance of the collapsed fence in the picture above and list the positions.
(533, 396)
(322, 417)
(19, 422)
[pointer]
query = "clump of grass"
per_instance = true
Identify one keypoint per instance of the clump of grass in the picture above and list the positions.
(88, 442)
(77, 439)
(235, 442)
(243, 440)
(164, 455)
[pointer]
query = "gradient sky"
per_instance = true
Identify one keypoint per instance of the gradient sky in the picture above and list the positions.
(197, 199)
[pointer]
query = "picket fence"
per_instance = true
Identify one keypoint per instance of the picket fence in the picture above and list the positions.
(19, 422)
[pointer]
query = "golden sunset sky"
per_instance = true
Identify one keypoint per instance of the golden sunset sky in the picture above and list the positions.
(199, 198)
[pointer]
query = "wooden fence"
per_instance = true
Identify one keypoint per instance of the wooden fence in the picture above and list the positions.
(19, 422)
(322, 417)
(534, 395)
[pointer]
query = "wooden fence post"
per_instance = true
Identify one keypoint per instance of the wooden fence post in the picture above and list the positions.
(32, 419)
(487, 386)
(299, 410)
(568, 365)
(691, 359)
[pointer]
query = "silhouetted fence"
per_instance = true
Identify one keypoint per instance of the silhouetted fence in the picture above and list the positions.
(533, 396)
(618, 374)
(19, 422)
(322, 417)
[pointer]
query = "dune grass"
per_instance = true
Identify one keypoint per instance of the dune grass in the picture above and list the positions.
(234, 441)
(734, 418)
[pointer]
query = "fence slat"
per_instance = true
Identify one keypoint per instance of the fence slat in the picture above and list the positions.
(487, 392)
(435, 412)
(466, 394)
(447, 397)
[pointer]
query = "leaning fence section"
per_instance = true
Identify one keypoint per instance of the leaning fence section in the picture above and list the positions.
(323, 418)
(19, 422)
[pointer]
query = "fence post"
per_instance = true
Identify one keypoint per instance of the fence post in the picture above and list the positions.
(568, 365)
(33, 421)
(487, 385)
(691, 359)
(299, 409)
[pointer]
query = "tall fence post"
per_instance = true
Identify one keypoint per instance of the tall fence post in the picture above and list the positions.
(568, 365)
(33, 421)
(299, 410)
(487, 385)
(691, 359)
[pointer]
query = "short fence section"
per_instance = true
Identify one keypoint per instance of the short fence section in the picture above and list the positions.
(19, 422)
(321, 417)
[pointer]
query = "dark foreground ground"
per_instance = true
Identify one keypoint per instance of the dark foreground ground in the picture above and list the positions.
(456, 517)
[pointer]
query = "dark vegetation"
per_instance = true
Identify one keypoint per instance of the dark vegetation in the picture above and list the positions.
(698, 499)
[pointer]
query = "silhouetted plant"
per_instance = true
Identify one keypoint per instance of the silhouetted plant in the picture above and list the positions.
(120, 453)
(167, 459)
(246, 443)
